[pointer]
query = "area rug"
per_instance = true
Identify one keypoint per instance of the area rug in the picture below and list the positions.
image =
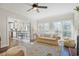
(38, 49)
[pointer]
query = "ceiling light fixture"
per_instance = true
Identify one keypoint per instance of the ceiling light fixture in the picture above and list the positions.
(35, 6)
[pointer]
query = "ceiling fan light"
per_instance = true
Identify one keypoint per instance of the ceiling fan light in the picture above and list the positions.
(35, 8)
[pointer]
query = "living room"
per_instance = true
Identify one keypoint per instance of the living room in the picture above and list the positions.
(38, 32)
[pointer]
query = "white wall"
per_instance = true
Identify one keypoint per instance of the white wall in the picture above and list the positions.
(76, 21)
(4, 14)
(76, 17)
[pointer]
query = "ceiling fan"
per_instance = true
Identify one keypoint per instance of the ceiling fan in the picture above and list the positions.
(36, 7)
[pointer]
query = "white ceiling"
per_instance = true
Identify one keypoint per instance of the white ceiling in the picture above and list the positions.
(52, 10)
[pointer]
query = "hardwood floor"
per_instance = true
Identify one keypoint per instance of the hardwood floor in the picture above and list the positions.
(3, 49)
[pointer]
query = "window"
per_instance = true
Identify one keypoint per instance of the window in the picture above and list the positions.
(64, 28)
(57, 27)
(67, 28)
(43, 27)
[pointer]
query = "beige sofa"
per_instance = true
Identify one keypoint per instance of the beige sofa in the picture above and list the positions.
(47, 40)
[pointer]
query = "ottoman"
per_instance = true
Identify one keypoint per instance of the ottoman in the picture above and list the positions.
(15, 51)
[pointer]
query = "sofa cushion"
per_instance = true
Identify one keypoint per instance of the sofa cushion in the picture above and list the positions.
(47, 40)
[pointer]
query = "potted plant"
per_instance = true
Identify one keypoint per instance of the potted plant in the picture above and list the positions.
(77, 8)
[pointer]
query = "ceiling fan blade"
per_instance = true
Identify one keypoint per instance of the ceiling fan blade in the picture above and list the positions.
(42, 6)
(37, 10)
(36, 3)
(29, 9)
